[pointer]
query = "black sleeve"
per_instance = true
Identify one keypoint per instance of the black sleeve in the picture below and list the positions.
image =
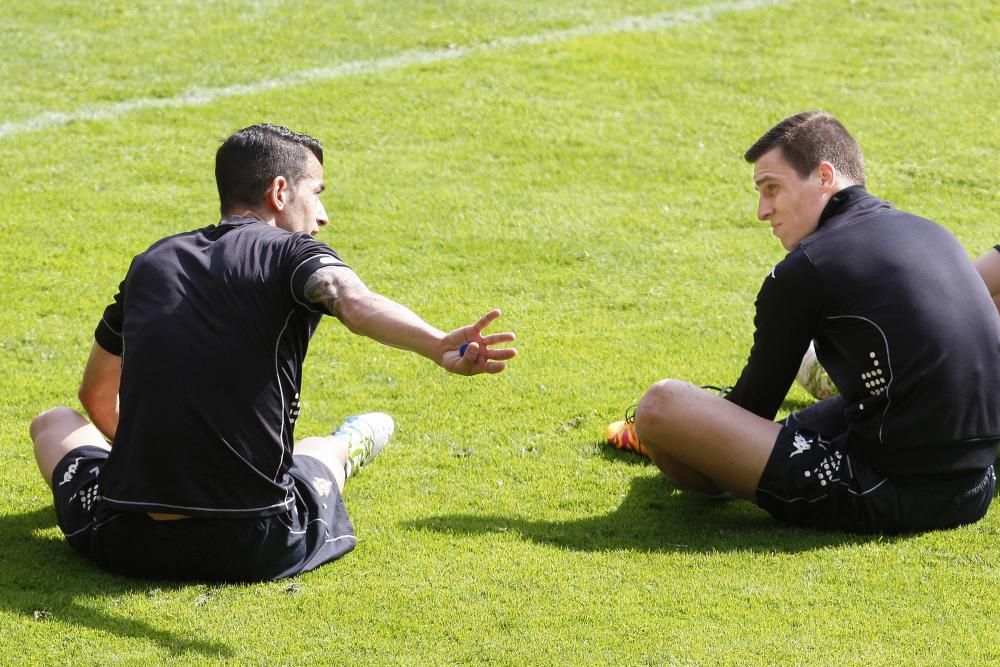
(308, 256)
(108, 333)
(787, 317)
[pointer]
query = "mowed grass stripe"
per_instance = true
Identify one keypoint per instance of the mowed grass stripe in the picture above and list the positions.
(202, 96)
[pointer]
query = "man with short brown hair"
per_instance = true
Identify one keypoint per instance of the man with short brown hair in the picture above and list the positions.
(906, 329)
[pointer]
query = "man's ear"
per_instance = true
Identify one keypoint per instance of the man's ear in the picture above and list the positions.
(827, 175)
(277, 194)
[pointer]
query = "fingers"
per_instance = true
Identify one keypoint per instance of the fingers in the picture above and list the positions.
(479, 359)
(493, 339)
(493, 367)
(486, 320)
(470, 355)
(502, 353)
(489, 353)
(474, 351)
(470, 360)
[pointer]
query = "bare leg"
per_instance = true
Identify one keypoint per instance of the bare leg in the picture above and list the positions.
(331, 451)
(56, 433)
(702, 441)
(988, 267)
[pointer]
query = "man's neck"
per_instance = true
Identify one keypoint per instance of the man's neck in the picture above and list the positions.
(841, 200)
(243, 212)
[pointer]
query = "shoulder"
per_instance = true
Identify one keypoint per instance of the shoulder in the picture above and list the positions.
(305, 250)
(274, 245)
(180, 238)
(795, 266)
(293, 241)
(164, 251)
(792, 282)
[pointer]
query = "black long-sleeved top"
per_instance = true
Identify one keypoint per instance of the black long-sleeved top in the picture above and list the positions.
(904, 326)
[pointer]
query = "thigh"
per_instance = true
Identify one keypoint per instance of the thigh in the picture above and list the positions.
(805, 477)
(76, 493)
(331, 452)
(815, 482)
(706, 433)
(59, 431)
(320, 516)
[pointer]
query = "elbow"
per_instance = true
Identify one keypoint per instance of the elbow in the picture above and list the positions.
(87, 396)
(94, 399)
(354, 309)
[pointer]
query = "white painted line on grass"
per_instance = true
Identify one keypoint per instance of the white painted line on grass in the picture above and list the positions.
(202, 96)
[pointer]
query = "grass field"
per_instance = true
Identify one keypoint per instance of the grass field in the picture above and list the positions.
(577, 164)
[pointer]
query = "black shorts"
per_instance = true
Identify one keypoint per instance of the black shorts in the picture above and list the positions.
(812, 481)
(315, 531)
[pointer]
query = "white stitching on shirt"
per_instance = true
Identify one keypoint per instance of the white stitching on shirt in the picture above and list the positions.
(888, 361)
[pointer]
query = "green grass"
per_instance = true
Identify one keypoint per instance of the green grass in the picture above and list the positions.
(592, 188)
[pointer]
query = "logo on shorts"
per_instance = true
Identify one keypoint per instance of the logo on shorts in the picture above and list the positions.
(801, 444)
(322, 485)
(70, 471)
(88, 496)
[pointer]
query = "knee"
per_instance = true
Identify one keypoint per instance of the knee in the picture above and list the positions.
(46, 419)
(659, 407)
(331, 451)
(660, 400)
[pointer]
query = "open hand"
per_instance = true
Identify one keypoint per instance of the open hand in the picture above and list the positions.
(467, 351)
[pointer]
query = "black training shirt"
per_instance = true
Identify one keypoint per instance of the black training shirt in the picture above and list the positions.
(212, 326)
(904, 326)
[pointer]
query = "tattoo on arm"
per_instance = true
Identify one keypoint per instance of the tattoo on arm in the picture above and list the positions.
(328, 284)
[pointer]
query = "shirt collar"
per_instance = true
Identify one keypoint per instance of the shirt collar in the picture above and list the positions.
(841, 201)
(238, 220)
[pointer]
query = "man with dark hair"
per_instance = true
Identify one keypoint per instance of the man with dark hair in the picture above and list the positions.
(906, 329)
(195, 375)
(247, 162)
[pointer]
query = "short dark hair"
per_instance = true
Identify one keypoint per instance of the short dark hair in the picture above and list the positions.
(811, 137)
(248, 162)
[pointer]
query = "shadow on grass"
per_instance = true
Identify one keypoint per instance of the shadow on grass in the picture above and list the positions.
(45, 578)
(609, 453)
(653, 517)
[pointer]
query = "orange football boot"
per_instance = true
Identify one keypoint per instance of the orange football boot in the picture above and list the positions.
(622, 435)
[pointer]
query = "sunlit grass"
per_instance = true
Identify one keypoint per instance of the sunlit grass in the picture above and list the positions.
(593, 189)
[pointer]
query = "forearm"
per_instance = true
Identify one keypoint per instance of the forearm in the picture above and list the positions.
(370, 314)
(98, 391)
(391, 323)
(784, 324)
(465, 350)
(103, 414)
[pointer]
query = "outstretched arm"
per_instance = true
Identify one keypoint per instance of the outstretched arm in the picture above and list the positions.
(465, 350)
(99, 389)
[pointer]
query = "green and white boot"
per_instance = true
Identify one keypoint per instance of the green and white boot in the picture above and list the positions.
(365, 436)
